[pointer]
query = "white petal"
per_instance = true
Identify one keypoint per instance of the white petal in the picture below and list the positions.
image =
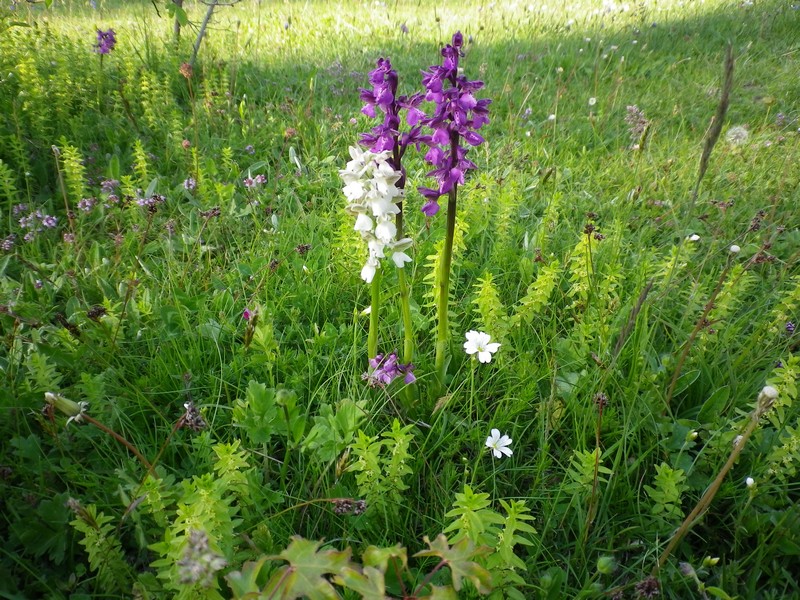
(363, 223)
(400, 259)
(385, 231)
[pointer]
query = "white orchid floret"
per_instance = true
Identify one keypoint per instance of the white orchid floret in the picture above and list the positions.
(355, 191)
(400, 259)
(369, 269)
(363, 223)
(385, 231)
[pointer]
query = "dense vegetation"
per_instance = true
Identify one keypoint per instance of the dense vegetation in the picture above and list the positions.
(185, 382)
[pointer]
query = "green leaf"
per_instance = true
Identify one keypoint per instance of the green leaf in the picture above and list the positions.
(380, 557)
(304, 576)
(712, 408)
(685, 380)
(244, 583)
(459, 559)
(718, 593)
(369, 582)
(443, 593)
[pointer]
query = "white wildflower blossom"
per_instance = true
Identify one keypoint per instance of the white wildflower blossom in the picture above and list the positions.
(499, 444)
(478, 343)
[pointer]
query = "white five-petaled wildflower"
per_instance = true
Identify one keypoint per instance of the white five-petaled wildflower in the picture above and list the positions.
(734, 249)
(499, 444)
(370, 186)
(749, 482)
(480, 343)
(592, 101)
(693, 238)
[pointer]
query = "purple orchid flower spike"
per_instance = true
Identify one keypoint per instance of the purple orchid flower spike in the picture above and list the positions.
(457, 116)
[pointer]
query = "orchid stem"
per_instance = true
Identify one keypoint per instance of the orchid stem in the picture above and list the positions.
(372, 339)
(443, 283)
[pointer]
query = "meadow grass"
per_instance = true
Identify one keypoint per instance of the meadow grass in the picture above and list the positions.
(634, 341)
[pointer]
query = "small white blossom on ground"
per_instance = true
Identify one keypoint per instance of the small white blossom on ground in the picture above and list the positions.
(734, 249)
(749, 482)
(693, 238)
(592, 101)
(499, 444)
(479, 342)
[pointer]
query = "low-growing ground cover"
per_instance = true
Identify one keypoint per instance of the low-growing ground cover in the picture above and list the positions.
(192, 402)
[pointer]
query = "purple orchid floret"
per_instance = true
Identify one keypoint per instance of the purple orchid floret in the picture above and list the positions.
(386, 369)
(457, 116)
(106, 40)
(383, 95)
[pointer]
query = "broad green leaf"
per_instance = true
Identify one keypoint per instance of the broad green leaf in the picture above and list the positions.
(443, 593)
(458, 558)
(369, 582)
(305, 575)
(712, 408)
(244, 583)
(380, 557)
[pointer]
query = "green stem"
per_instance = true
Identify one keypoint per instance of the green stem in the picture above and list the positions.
(372, 339)
(443, 283)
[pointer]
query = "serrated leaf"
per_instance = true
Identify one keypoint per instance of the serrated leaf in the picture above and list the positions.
(443, 593)
(245, 582)
(458, 558)
(304, 576)
(380, 557)
(369, 582)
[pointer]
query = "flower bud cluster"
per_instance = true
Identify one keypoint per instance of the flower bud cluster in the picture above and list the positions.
(385, 369)
(370, 188)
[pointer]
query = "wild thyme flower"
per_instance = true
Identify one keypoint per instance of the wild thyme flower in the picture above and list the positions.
(7, 245)
(87, 204)
(637, 123)
(200, 563)
(386, 369)
(190, 184)
(107, 186)
(457, 116)
(106, 40)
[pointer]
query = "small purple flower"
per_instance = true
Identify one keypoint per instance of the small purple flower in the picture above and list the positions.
(249, 183)
(87, 204)
(249, 149)
(404, 29)
(386, 369)
(69, 238)
(19, 209)
(106, 40)
(7, 245)
(107, 186)
(247, 314)
(38, 284)
(790, 327)
(190, 184)
(49, 221)
(261, 179)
